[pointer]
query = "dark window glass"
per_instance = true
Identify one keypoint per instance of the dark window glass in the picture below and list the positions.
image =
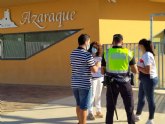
(25, 45)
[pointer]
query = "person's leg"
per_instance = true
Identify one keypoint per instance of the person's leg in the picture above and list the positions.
(149, 86)
(94, 85)
(78, 112)
(141, 99)
(76, 95)
(85, 95)
(98, 94)
(111, 99)
(90, 109)
(83, 116)
(126, 92)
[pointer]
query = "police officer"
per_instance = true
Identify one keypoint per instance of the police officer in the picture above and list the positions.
(116, 63)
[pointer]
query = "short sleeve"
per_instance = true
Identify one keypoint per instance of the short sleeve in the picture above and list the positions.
(132, 62)
(130, 55)
(147, 59)
(90, 60)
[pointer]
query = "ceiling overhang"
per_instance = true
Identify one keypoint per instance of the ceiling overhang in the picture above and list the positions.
(10, 3)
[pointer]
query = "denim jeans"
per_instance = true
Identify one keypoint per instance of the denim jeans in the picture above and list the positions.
(146, 88)
(82, 97)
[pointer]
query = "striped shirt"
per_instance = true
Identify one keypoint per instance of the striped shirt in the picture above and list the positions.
(81, 61)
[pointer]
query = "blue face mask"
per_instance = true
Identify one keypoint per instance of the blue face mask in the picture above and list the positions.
(94, 50)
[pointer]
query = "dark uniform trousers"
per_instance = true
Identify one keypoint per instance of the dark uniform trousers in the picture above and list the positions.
(125, 89)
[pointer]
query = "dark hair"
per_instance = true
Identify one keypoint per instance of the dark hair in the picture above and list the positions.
(82, 38)
(147, 45)
(97, 46)
(117, 38)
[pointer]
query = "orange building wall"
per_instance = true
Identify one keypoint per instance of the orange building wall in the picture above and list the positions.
(130, 18)
(52, 66)
(98, 18)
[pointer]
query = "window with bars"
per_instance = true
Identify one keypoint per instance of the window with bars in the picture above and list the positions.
(25, 45)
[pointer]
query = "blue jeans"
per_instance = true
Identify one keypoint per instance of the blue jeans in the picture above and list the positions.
(146, 88)
(82, 97)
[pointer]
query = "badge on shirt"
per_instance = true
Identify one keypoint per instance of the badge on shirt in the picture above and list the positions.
(140, 63)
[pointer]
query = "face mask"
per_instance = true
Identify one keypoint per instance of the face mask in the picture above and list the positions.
(94, 50)
(87, 47)
(139, 50)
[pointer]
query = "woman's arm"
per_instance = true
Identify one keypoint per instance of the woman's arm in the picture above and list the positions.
(145, 70)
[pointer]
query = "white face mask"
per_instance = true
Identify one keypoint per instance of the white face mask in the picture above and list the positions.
(87, 47)
(94, 50)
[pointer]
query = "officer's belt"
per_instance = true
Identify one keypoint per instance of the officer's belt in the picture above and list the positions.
(122, 77)
(116, 74)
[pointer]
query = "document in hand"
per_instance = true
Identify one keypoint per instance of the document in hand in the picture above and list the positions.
(140, 63)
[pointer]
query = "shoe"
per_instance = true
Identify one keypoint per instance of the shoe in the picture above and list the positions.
(150, 122)
(99, 115)
(137, 118)
(90, 116)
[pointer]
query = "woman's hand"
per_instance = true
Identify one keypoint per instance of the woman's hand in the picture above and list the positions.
(139, 68)
(145, 70)
(98, 64)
